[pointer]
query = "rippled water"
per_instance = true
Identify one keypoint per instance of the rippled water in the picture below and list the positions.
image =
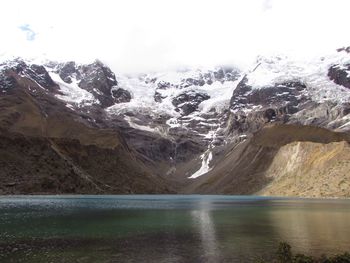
(160, 228)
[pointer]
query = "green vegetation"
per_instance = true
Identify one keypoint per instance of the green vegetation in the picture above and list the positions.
(284, 255)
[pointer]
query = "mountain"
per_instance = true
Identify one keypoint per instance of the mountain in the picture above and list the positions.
(73, 128)
(46, 147)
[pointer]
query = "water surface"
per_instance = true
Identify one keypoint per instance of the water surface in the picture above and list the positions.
(161, 228)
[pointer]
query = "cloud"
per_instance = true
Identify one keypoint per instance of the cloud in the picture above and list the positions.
(30, 34)
(267, 4)
(138, 35)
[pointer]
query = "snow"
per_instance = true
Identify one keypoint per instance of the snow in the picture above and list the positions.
(133, 124)
(345, 119)
(208, 124)
(173, 123)
(211, 135)
(143, 91)
(97, 91)
(206, 158)
(137, 126)
(143, 95)
(312, 72)
(177, 77)
(142, 100)
(10, 60)
(72, 93)
(220, 95)
(344, 126)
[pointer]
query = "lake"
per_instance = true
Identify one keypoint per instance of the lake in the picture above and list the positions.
(168, 228)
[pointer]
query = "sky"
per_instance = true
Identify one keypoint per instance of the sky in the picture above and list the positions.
(151, 35)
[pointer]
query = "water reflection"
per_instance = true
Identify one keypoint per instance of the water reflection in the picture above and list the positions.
(170, 246)
(312, 229)
(203, 222)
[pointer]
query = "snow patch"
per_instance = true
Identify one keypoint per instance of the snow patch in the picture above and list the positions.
(220, 95)
(72, 93)
(136, 126)
(344, 126)
(206, 158)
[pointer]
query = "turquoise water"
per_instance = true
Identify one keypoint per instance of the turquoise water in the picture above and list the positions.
(161, 228)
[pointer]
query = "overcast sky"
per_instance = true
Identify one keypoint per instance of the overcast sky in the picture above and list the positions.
(142, 35)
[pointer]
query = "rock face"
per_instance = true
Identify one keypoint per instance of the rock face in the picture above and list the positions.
(291, 95)
(96, 78)
(346, 49)
(219, 130)
(6, 82)
(280, 94)
(67, 71)
(36, 73)
(252, 108)
(340, 74)
(188, 102)
(121, 95)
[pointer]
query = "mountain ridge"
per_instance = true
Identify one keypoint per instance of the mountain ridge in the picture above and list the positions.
(177, 127)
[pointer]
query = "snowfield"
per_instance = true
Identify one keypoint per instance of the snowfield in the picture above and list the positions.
(72, 93)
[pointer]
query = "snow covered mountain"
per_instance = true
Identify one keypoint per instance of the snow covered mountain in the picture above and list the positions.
(182, 123)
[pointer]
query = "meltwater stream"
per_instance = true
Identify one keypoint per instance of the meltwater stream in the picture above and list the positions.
(168, 228)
